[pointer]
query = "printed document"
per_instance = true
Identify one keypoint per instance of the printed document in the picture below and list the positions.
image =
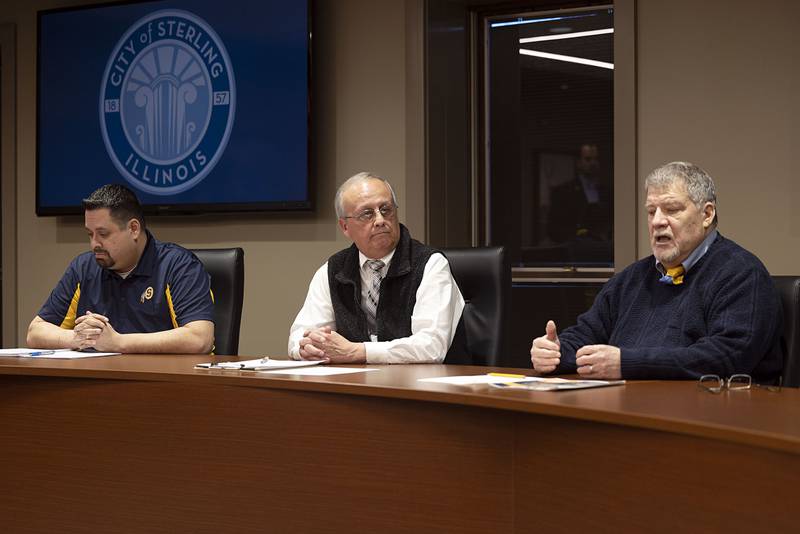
(558, 384)
(319, 371)
(470, 380)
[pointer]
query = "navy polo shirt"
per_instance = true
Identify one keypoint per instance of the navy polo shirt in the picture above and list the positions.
(168, 288)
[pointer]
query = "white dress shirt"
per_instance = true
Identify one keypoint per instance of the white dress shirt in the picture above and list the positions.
(433, 320)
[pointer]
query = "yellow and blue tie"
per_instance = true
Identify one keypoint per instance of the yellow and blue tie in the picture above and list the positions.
(674, 276)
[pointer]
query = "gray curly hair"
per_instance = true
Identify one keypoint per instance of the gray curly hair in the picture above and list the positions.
(699, 185)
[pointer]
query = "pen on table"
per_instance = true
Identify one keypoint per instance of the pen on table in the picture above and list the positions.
(507, 375)
(41, 353)
(236, 366)
(245, 366)
(262, 364)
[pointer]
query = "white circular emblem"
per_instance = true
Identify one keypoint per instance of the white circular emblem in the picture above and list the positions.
(167, 102)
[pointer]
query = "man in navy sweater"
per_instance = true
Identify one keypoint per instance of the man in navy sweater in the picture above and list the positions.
(701, 304)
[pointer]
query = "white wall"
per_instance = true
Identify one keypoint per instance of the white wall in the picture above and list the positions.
(717, 85)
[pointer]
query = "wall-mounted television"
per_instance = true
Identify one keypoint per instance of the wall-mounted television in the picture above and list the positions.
(197, 105)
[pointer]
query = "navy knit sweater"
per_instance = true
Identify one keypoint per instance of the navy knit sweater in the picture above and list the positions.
(724, 319)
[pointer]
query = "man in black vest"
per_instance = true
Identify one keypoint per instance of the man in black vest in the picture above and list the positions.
(387, 298)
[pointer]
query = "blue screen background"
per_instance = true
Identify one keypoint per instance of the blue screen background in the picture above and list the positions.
(266, 159)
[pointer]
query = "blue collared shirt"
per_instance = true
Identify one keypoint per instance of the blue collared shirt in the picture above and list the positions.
(695, 256)
(589, 189)
(168, 288)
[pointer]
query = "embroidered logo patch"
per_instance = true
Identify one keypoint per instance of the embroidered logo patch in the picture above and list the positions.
(147, 294)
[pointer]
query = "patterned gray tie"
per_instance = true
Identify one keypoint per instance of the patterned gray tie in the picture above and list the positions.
(373, 293)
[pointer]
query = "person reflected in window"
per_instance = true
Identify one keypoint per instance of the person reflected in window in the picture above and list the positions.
(385, 299)
(700, 304)
(581, 211)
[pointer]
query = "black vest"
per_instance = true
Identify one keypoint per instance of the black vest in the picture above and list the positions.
(398, 293)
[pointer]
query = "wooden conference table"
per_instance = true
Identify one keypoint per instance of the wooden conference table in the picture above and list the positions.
(143, 443)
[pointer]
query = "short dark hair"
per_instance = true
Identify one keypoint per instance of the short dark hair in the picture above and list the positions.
(120, 201)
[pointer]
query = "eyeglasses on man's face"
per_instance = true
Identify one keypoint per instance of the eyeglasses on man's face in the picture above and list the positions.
(368, 215)
(738, 382)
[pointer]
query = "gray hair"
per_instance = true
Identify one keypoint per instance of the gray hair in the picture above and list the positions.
(356, 179)
(699, 185)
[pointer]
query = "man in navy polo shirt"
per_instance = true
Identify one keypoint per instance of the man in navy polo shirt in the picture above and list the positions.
(131, 293)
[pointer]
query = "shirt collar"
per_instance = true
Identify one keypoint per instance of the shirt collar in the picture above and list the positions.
(696, 254)
(147, 262)
(362, 259)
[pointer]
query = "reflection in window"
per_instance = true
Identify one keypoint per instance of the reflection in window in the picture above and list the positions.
(549, 127)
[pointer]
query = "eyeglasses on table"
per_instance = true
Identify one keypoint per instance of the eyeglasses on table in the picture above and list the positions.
(738, 382)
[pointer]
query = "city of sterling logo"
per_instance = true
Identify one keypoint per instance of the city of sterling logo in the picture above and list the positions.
(167, 102)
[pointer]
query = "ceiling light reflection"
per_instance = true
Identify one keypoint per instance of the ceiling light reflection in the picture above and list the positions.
(569, 59)
(566, 36)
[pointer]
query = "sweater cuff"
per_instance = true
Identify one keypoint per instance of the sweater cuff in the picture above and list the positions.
(636, 365)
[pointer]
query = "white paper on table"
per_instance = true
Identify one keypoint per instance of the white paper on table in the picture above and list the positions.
(53, 354)
(472, 379)
(319, 371)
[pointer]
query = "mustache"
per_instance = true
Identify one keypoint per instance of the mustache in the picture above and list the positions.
(98, 250)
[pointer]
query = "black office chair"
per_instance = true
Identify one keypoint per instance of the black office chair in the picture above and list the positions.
(789, 290)
(484, 277)
(226, 268)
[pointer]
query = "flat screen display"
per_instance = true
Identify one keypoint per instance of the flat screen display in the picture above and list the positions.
(197, 105)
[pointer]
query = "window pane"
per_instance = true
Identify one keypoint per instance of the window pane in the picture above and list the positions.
(549, 125)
